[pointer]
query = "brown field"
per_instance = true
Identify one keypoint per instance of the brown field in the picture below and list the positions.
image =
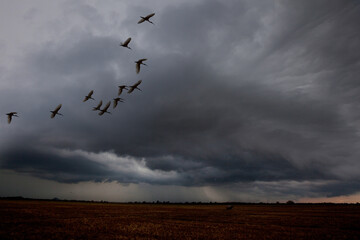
(75, 220)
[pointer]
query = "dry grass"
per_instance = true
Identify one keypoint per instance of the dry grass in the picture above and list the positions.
(69, 220)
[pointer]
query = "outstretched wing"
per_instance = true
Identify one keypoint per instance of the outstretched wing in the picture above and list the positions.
(137, 84)
(57, 108)
(9, 118)
(127, 41)
(142, 60)
(86, 98)
(149, 16)
(120, 91)
(52, 114)
(107, 106)
(101, 113)
(99, 105)
(131, 89)
(90, 93)
(115, 103)
(138, 67)
(141, 21)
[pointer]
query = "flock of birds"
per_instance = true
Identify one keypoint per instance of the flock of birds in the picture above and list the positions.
(116, 100)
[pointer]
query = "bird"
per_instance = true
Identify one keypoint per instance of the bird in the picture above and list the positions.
(229, 207)
(55, 112)
(98, 106)
(104, 110)
(116, 100)
(10, 115)
(89, 96)
(143, 19)
(135, 86)
(126, 43)
(121, 89)
(138, 63)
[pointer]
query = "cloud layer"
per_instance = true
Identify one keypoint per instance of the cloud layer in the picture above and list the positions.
(242, 92)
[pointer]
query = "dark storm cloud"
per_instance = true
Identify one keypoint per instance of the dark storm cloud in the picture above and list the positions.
(51, 166)
(241, 91)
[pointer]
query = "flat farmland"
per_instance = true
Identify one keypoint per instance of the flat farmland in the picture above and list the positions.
(78, 220)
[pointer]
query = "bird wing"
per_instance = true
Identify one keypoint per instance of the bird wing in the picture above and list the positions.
(120, 91)
(127, 41)
(57, 108)
(115, 103)
(141, 20)
(131, 89)
(137, 84)
(99, 105)
(107, 106)
(86, 98)
(53, 115)
(90, 93)
(9, 118)
(101, 113)
(149, 16)
(142, 60)
(138, 67)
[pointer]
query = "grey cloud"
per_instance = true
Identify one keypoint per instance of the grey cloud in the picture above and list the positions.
(234, 92)
(54, 167)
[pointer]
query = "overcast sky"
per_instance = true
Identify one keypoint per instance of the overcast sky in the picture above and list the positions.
(241, 100)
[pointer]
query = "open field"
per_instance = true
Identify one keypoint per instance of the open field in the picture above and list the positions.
(75, 220)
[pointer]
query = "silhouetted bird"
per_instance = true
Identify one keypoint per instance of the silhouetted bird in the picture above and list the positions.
(138, 63)
(143, 19)
(229, 207)
(98, 106)
(116, 100)
(104, 110)
(121, 88)
(135, 86)
(89, 96)
(126, 43)
(55, 112)
(10, 115)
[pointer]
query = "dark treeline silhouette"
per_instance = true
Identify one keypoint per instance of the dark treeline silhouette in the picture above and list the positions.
(290, 202)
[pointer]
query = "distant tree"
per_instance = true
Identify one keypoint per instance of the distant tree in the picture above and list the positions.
(290, 202)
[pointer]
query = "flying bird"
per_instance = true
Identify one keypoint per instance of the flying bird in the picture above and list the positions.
(135, 86)
(116, 100)
(89, 96)
(140, 62)
(104, 110)
(143, 19)
(121, 88)
(55, 112)
(98, 106)
(10, 115)
(126, 43)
